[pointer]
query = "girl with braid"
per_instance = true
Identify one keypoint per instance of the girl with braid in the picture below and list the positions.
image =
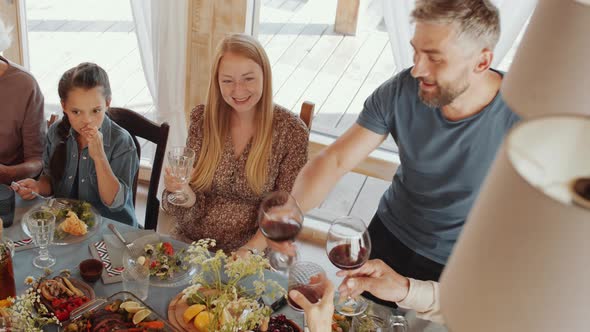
(88, 156)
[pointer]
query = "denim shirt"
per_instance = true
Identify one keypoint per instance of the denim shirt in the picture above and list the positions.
(122, 156)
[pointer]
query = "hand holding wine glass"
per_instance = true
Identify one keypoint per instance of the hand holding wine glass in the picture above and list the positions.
(309, 280)
(377, 278)
(318, 315)
(181, 160)
(348, 248)
(171, 182)
(280, 220)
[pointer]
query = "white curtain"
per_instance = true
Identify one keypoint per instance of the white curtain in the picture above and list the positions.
(161, 26)
(5, 39)
(396, 13)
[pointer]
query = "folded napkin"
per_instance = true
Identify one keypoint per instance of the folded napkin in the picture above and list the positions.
(23, 244)
(110, 252)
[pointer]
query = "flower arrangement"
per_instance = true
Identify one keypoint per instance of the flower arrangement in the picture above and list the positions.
(221, 286)
(20, 310)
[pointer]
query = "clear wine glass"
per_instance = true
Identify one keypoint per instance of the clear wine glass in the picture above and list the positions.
(309, 279)
(378, 318)
(348, 247)
(181, 160)
(280, 219)
(41, 224)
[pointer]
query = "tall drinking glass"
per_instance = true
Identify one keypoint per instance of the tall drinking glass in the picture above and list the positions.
(136, 280)
(7, 282)
(280, 220)
(348, 248)
(41, 224)
(181, 160)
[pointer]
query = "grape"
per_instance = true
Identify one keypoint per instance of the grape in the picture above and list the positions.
(279, 323)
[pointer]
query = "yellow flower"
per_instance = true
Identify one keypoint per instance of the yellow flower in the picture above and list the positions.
(228, 297)
(6, 303)
(29, 280)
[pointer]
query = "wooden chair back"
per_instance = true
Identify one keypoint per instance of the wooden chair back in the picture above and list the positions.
(139, 126)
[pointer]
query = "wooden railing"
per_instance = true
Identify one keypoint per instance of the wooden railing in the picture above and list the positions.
(380, 165)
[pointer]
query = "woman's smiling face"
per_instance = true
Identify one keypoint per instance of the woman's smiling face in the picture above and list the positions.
(240, 81)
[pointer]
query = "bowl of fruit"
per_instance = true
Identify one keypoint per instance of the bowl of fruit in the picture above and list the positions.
(225, 294)
(280, 323)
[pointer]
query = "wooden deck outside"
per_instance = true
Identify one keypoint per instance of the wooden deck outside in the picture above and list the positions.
(309, 62)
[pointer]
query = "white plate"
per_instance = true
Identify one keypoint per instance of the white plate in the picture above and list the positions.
(68, 239)
(180, 278)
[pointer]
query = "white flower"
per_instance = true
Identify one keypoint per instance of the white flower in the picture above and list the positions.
(232, 297)
(29, 280)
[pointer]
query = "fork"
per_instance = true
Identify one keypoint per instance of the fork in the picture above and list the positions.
(50, 201)
(131, 247)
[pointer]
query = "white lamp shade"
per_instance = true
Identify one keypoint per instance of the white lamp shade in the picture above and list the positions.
(551, 72)
(522, 262)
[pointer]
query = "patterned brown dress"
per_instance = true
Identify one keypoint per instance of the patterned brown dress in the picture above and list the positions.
(228, 212)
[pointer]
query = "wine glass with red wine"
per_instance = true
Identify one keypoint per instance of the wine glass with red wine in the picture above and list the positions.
(309, 279)
(280, 219)
(348, 248)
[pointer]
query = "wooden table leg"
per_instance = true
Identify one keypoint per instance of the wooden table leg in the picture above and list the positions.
(347, 14)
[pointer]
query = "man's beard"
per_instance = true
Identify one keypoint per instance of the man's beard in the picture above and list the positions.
(445, 94)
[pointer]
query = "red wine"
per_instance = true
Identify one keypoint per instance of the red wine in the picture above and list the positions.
(344, 258)
(310, 292)
(280, 231)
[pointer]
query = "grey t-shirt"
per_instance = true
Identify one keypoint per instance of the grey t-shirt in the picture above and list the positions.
(443, 163)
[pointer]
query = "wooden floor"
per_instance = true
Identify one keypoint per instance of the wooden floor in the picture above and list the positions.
(309, 62)
(337, 73)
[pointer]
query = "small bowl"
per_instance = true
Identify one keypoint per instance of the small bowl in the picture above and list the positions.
(91, 269)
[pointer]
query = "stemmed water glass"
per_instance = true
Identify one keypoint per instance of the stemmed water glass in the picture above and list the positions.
(378, 318)
(348, 247)
(280, 219)
(181, 160)
(41, 224)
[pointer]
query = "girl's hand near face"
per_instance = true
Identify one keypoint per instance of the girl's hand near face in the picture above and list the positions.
(95, 143)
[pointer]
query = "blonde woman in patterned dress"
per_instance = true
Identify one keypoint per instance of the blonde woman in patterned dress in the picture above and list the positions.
(246, 146)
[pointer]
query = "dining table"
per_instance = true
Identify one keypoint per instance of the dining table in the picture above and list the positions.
(69, 256)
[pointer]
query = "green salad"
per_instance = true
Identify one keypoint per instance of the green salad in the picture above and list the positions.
(162, 260)
(82, 209)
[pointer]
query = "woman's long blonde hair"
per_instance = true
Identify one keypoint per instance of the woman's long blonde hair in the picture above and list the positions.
(217, 115)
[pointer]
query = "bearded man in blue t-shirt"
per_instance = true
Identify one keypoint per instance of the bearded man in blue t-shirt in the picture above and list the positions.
(448, 118)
